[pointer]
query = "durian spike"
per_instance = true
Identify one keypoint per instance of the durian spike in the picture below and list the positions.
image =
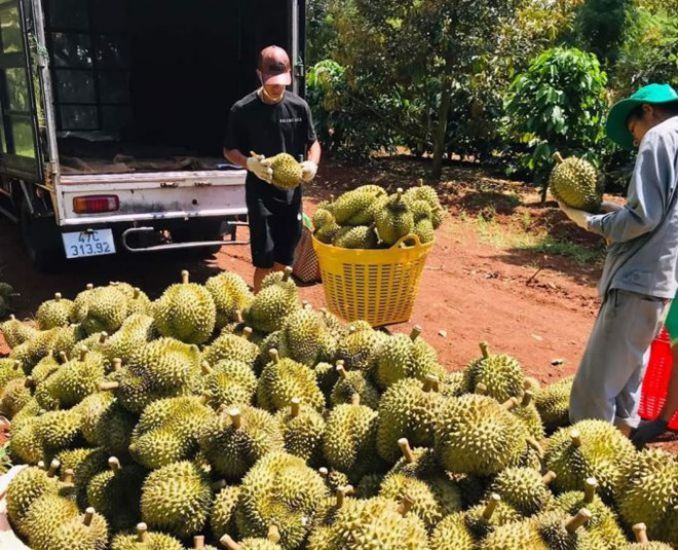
(558, 157)
(83, 353)
(114, 464)
(528, 397)
(431, 383)
(275, 356)
(481, 389)
(89, 516)
(640, 532)
(405, 505)
(273, 534)
(57, 296)
(548, 477)
(198, 542)
(205, 368)
(575, 436)
(236, 418)
(103, 337)
(229, 543)
(510, 404)
(590, 486)
(117, 364)
(287, 273)
(185, 277)
(485, 349)
(404, 445)
(108, 386)
(53, 467)
(575, 522)
(491, 506)
(341, 370)
(142, 532)
(355, 399)
(247, 333)
(295, 407)
(68, 476)
(416, 332)
(62, 357)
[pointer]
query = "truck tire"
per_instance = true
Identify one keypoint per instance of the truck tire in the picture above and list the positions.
(41, 241)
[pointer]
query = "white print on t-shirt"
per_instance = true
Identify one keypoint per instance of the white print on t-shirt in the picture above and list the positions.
(290, 120)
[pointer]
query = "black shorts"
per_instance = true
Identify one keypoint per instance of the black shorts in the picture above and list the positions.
(274, 237)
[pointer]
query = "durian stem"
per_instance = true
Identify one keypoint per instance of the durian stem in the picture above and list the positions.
(83, 354)
(236, 418)
(63, 358)
(137, 293)
(324, 472)
(491, 506)
(295, 407)
(68, 476)
(89, 516)
(219, 485)
(205, 368)
(142, 532)
(355, 399)
(575, 436)
(41, 464)
(247, 333)
(352, 329)
(341, 496)
(53, 467)
(510, 404)
(229, 543)
(416, 332)
(114, 464)
(89, 286)
(532, 442)
(640, 532)
(549, 477)
(528, 396)
(485, 349)
(341, 370)
(108, 386)
(103, 337)
(481, 389)
(57, 296)
(273, 534)
(431, 383)
(405, 448)
(29, 382)
(405, 505)
(17, 363)
(275, 356)
(238, 316)
(199, 542)
(574, 523)
(590, 486)
(558, 157)
(117, 364)
(12, 317)
(287, 273)
(185, 276)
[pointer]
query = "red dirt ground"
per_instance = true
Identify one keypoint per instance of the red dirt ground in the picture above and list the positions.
(537, 308)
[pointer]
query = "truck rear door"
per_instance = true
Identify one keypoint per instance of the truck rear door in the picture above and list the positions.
(20, 150)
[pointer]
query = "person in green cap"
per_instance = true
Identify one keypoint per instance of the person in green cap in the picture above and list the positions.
(640, 274)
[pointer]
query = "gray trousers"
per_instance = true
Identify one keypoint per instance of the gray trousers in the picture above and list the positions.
(609, 380)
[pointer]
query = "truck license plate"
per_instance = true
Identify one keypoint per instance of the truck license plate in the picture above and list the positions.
(96, 242)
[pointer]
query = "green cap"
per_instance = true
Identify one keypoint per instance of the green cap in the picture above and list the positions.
(654, 94)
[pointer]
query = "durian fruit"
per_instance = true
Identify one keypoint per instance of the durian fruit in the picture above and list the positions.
(558, 530)
(76, 379)
(424, 230)
(452, 384)
(482, 519)
(359, 237)
(232, 347)
(277, 299)
(649, 494)
(553, 403)
(428, 194)
(350, 439)
(528, 413)
(302, 428)
(360, 347)
(282, 380)
(106, 311)
(88, 465)
(476, 435)
(46, 513)
(54, 313)
(603, 521)
(106, 424)
(501, 375)
(15, 396)
(186, 311)
(395, 220)
(326, 376)
(234, 441)
(407, 409)
(25, 488)
(354, 207)
(81, 304)
(518, 534)
(643, 542)
(138, 302)
(229, 383)
(230, 294)
(286, 171)
(86, 532)
(168, 431)
(222, 515)
(591, 448)
(47, 366)
(269, 543)
(145, 540)
(32, 351)
(452, 534)
(324, 224)
(336, 480)
(306, 339)
(116, 494)
(404, 356)
(136, 331)
(280, 490)
(94, 342)
(352, 382)
(25, 445)
(58, 429)
(10, 369)
(576, 183)
(16, 333)
(524, 489)
(177, 499)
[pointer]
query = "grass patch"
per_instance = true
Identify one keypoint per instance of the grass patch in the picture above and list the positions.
(583, 255)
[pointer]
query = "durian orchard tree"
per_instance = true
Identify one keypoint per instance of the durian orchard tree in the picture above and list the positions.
(421, 44)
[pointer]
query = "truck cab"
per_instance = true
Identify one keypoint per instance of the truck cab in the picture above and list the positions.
(112, 117)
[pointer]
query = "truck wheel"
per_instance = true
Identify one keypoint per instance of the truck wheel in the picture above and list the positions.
(41, 241)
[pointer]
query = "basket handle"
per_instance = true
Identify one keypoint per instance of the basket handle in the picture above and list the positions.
(408, 241)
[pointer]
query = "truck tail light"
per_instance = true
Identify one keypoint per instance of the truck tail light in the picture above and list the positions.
(96, 204)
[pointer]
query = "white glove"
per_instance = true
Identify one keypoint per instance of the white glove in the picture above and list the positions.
(260, 166)
(309, 169)
(608, 207)
(579, 217)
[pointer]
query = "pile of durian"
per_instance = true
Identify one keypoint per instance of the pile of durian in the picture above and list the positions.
(215, 417)
(369, 218)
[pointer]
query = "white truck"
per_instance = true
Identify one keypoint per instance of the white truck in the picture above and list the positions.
(113, 113)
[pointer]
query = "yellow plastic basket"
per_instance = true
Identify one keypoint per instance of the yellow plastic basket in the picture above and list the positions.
(379, 286)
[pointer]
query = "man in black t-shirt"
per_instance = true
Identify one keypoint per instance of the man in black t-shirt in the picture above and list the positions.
(269, 121)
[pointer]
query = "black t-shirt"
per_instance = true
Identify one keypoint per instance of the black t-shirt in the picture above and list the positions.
(286, 127)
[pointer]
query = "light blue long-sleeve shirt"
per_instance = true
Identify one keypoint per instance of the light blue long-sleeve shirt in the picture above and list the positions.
(643, 236)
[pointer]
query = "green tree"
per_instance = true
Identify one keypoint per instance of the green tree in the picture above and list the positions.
(601, 26)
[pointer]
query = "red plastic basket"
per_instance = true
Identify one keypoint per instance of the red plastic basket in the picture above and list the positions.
(656, 382)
